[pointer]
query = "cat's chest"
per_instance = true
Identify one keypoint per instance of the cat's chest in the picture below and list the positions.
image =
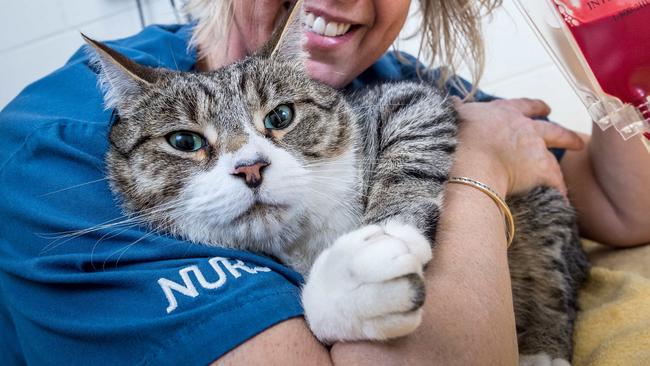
(321, 234)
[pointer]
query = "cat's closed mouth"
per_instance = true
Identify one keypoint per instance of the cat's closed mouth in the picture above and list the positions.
(261, 209)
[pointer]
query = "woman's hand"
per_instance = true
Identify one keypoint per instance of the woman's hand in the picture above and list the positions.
(502, 145)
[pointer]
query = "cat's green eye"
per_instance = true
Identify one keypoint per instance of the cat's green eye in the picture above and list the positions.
(280, 117)
(186, 141)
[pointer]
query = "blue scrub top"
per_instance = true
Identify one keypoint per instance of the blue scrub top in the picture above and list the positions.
(81, 283)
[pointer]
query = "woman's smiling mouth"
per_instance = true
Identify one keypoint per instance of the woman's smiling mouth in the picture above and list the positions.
(327, 33)
(323, 27)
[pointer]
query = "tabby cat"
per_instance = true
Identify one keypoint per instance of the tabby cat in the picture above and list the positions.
(345, 189)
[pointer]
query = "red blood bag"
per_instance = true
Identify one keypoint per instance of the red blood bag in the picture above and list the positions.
(603, 48)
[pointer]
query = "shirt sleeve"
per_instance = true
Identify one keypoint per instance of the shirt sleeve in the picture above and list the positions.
(80, 282)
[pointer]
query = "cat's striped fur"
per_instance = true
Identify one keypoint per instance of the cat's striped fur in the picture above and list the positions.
(372, 164)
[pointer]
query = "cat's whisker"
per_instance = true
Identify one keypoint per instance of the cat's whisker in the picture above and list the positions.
(107, 223)
(158, 228)
(339, 185)
(97, 243)
(325, 162)
(326, 175)
(59, 242)
(123, 251)
(347, 207)
(73, 187)
(153, 231)
(330, 174)
(77, 233)
(65, 239)
(141, 218)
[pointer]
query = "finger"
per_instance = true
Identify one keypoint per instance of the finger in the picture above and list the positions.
(530, 107)
(555, 178)
(557, 136)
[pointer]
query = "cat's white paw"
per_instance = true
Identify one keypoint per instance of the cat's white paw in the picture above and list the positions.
(541, 359)
(368, 284)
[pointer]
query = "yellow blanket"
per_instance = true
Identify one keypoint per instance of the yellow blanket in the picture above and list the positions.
(613, 326)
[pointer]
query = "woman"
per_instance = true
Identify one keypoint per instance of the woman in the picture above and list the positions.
(142, 298)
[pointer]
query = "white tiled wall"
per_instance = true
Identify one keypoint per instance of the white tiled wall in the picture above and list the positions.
(37, 36)
(518, 66)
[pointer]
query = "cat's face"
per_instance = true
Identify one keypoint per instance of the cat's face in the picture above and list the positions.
(247, 156)
(236, 154)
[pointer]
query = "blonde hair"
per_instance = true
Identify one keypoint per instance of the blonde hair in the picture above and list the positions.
(452, 35)
(213, 21)
(450, 29)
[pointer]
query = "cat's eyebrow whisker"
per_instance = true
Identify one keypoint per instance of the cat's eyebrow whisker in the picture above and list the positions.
(73, 187)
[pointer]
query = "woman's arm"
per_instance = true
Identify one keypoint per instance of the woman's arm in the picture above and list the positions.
(288, 343)
(608, 184)
(468, 313)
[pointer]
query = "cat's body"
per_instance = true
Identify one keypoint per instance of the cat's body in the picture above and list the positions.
(345, 189)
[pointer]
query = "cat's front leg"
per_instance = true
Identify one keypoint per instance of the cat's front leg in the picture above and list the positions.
(368, 285)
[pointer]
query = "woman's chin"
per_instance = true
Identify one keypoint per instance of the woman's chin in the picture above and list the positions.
(333, 75)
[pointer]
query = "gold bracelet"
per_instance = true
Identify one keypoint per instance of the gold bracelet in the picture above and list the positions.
(510, 222)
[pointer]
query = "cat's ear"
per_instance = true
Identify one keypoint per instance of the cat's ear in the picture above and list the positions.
(287, 42)
(120, 78)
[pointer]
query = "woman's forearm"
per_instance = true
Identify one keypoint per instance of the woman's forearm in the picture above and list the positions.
(608, 185)
(468, 312)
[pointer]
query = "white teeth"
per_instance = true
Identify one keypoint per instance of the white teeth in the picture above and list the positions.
(318, 25)
(332, 29)
(309, 19)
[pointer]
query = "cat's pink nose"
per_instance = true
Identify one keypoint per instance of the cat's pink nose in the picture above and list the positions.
(251, 172)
